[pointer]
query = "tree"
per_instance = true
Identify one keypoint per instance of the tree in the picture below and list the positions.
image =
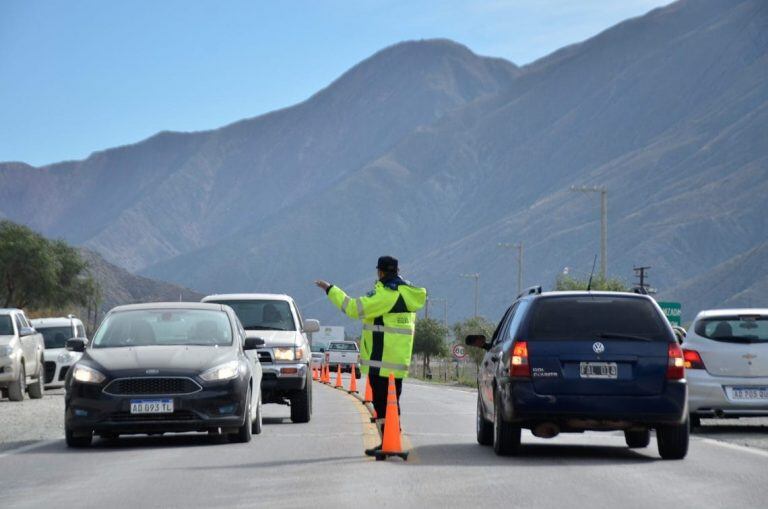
(566, 282)
(429, 340)
(37, 273)
(474, 325)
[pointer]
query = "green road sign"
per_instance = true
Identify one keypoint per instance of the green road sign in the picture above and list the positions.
(673, 312)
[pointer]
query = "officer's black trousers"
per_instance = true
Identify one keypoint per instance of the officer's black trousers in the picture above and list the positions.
(379, 388)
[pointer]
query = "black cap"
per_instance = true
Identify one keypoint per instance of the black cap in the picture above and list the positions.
(387, 264)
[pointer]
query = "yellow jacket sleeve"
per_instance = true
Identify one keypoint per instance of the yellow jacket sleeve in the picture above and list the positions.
(377, 303)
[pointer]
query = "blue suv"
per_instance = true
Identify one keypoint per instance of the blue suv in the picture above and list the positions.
(576, 361)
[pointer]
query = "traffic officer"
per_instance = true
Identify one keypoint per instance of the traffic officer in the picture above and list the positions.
(388, 313)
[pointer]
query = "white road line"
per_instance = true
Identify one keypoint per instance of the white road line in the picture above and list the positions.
(25, 448)
(736, 447)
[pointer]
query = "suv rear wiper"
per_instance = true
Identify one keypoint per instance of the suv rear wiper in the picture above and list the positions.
(618, 335)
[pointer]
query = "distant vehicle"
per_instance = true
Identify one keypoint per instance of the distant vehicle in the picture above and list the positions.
(317, 360)
(344, 353)
(726, 360)
(21, 357)
(56, 332)
(285, 356)
(325, 335)
(164, 367)
(576, 361)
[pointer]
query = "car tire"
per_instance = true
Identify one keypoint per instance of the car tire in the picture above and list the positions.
(244, 432)
(637, 438)
(484, 426)
(77, 441)
(17, 388)
(301, 405)
(506, 437)
(257, 424)
(36, 390)
(672, 440)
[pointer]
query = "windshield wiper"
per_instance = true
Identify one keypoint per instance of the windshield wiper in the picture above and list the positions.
(618, 335)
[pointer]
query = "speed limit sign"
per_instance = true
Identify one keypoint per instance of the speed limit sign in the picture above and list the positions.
(458, 352)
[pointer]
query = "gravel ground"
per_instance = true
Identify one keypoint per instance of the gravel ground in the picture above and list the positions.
(31, 420)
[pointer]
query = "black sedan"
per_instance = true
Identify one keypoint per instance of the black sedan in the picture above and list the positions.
(164, 367)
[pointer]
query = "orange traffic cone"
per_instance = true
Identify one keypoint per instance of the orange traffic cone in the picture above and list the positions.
(314, 374)
(326, 375)
(338, 384)
(391, 445)
(353, 381)
(368, 393)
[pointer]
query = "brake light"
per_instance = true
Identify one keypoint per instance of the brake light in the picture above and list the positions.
(518, 363)
(676, 364)
(692, 359)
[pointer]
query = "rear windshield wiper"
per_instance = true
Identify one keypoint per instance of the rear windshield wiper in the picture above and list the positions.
(618, 335)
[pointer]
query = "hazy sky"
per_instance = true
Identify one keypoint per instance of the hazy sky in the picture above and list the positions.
(83, 75)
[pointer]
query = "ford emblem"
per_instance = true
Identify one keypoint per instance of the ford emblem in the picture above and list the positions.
(598, 347)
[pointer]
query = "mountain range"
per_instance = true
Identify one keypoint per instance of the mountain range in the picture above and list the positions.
(434, 154)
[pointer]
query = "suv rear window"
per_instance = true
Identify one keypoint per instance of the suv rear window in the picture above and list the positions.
(734, 329)
(592, 317)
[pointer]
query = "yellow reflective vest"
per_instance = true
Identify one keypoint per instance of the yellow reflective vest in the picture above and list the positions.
(388, 314)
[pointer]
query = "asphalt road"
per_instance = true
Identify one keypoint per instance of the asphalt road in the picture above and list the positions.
(321, 463)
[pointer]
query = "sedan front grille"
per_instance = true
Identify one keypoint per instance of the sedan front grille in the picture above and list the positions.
(178, 415)
(50, 369)
(146, 386)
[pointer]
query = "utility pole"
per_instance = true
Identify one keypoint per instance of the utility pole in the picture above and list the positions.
(640, 273)
(603, 222)
(519, 247)
(476, 277)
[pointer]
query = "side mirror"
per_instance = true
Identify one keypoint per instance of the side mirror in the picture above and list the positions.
(476, 340)
(253, 343)
(311, 325)
(322, 350)
(75, 345)
(26, 331)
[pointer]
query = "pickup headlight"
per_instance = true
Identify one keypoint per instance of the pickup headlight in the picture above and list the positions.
(226, 371)
(6, 351)
(288, 354)
(65, 358)
(86, 375)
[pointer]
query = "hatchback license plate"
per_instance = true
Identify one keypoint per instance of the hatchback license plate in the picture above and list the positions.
(151, 406)
(607, 370)
(749, 393)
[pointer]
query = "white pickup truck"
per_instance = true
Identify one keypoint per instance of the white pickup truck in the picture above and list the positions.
(344, 353)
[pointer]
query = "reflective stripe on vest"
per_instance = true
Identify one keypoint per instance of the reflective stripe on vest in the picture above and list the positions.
(358, 304)
(385, 329)
(383, 365)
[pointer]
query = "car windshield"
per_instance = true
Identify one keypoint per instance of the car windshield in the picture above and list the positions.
(160, 327)
(734, 329)
(262, 314)
(6, 327)
(347, 347)
(587, 317)
(55, 337)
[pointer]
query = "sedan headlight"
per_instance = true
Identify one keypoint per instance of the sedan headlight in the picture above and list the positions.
(226, 371)
(285, 354)
(6, 351)
(86, 375)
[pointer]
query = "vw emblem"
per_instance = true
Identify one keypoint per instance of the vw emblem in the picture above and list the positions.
(152, 371)
(598, 347)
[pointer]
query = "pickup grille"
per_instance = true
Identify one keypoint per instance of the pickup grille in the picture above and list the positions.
(63, 373)
(145, 386)
(265, 357)
(50, 369)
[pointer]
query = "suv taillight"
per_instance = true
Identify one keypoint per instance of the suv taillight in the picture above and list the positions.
(692, 359)
(676, 365)
(518, 362)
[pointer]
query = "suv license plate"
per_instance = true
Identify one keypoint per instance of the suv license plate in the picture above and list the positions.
(607, 370)
(151, 406)
(749, 393)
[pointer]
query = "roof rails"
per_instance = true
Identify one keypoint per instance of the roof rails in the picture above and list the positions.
(531, 290)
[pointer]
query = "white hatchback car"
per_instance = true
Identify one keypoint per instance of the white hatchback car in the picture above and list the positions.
(726, 360)
(58, 360)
